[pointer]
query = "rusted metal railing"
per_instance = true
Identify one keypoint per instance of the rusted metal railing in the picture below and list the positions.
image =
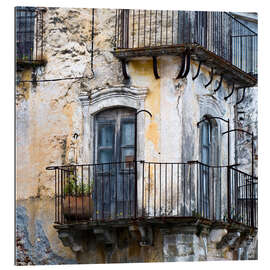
(111, 192)
(244, 198)
(218, 32)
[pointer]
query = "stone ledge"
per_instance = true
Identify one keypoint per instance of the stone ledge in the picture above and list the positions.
(199, 53)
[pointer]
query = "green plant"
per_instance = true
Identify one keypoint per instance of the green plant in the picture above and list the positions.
(74, 187)
(196, 214)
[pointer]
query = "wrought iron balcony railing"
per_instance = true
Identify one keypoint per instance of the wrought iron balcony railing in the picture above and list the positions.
(127, 191)
(217, 32)
(29, 35)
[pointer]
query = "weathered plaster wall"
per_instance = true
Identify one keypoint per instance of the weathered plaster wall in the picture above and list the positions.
(248, 120)
(47, 116)
(36, 239)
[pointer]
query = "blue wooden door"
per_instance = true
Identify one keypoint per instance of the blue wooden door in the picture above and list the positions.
(114, 156)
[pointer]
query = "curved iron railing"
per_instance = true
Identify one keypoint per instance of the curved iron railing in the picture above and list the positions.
(218, 32)
(107, 192)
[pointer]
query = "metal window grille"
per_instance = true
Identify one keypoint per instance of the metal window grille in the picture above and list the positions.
(29, 34)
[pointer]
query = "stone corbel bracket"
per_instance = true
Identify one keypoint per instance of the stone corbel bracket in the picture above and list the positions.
(70, 239)
(106, 236)
(217, 235)
(229, 240)
(245, 240)
(146, 234)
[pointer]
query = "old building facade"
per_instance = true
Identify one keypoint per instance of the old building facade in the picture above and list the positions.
(128, 136)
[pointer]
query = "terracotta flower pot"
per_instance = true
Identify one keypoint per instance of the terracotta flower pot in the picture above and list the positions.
(78, 207)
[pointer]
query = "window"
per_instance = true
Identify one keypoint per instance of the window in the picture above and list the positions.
(209, 176)
(115, 136)
(25, 26)
(29, 34)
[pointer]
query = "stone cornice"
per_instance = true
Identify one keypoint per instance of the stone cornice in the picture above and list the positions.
(117, 91)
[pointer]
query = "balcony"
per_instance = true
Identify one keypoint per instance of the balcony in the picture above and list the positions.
(29, 36)
(127, 193)
(216, 39)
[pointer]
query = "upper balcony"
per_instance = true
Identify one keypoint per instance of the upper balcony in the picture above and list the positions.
(29, 36)
(216, 39)
(136, 192)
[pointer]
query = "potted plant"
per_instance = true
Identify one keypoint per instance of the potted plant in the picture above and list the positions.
(78, 203)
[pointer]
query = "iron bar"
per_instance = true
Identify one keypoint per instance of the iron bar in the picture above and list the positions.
(210, 118)
(155, 69)
(143, 210)
(160, 189)
(188, 64)
(184, 193)
(156, 29)
(144, 28)
(82, 190)
(220, 83)
(118, 29)
(123, 192)
(198, 71)
(252, 178)
(129, 192)
(161, 15)
(124, 69)
(139, 30)
(89, 185)
(55, 195)
(242, 98)
(171, 187)
(115, 27)
(150, 32)
(213, 196)
(166, 189)
(155, 187)
(211, 77)
(178, 177)
(166, 27)
(229, 160)
(172, 25)
(69, 191)
(190, 192)
(76, 193)
(37, 23)
(183, 63)
(230, 93)
(135, 154)
(96, 189)
(149, 183)
(208, 206)
(133, 25)
(41, 34)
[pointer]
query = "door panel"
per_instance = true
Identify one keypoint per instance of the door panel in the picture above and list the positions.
(115, 182)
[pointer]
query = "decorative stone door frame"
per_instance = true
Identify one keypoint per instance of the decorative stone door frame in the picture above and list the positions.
(100, 99)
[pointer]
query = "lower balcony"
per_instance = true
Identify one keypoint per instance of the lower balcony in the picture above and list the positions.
(129, 193)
